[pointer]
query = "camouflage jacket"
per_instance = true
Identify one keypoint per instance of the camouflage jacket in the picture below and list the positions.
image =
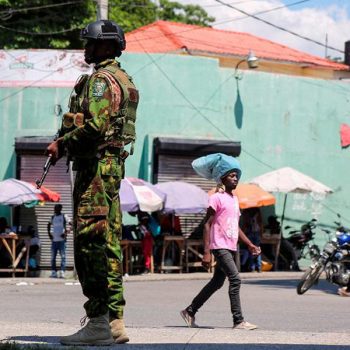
(96, 102)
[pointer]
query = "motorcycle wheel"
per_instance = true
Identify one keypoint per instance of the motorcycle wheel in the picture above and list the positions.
(309, 278)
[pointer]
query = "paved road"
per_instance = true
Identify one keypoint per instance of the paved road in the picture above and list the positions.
(42, 310)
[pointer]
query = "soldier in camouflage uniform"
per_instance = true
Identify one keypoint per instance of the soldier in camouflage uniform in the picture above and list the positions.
(101, 121)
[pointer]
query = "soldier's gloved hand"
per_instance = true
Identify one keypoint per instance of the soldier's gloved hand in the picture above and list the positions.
(55, 149)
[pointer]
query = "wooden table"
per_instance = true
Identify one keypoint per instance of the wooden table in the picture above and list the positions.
(275, 241)
(10, 242)
(131, 249)
(179, 242)
(194, 247)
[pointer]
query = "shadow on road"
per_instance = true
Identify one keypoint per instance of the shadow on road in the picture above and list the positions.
(35, 340)
(199, 327)
(322, 285)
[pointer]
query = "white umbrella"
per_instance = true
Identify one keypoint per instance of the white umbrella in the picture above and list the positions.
(137, 194)
(288, 180)
(16, 192)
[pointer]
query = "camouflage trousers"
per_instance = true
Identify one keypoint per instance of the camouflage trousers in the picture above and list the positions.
(97, 234)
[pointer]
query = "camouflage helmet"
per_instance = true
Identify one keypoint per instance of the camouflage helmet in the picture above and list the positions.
(104, 30)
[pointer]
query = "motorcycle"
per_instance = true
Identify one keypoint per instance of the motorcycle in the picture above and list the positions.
(334, 260)
(299, 245)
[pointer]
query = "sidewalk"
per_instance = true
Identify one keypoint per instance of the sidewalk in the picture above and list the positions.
(158, 277)
(181, 338)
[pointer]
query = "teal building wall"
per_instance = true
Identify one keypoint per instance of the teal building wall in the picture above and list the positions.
(280, 121)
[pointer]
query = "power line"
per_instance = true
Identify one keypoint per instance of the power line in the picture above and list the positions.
(6, 14)
(39, 33)
(198, 110)
(221, 22)
(211, 123)
(235, 19)
(12, 11)
(200, 41)
(208, 120)
(153, 61)
(211, 44)
(32, 65)
(153, 6)
(278, 27)
(69, 65)
(231, 3)
(263, 12)
(261, 51)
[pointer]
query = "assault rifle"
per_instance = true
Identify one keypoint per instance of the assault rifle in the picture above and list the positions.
(47, 165)
(46, 169)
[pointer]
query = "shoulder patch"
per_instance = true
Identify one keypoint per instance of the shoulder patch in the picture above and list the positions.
(133, 95)
(98, 88)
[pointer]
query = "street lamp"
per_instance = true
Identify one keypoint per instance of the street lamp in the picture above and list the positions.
(252, 61)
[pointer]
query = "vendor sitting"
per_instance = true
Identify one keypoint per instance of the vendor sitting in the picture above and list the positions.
(4, 227)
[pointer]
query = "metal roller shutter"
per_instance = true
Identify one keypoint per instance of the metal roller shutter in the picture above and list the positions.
(178, 168)
(172, 162)
(59, 180)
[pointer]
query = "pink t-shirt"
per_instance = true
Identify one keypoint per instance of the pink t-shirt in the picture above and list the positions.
(224, 228)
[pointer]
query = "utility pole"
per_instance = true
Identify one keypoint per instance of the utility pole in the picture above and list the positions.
(102, 9)
(326, 46)
(157, 3)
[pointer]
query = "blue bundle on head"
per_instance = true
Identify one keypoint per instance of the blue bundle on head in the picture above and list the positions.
(215, 166)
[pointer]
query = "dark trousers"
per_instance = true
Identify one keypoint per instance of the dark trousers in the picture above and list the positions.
(225, 267)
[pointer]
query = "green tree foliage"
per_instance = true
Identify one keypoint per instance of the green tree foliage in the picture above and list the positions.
(132, 14)
(42, 23)
(190, 14)
(56, 23)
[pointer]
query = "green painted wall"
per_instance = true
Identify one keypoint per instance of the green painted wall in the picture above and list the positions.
(280, 121)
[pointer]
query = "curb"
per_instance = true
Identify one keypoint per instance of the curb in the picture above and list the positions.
(155, 277)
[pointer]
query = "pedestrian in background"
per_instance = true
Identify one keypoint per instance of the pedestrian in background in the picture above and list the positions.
(253, 228)
(4, 227)
(57, 229)
(221, 233)
(146, 241)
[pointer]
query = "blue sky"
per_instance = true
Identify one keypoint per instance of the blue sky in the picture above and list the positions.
(319, 20)
(321, 4)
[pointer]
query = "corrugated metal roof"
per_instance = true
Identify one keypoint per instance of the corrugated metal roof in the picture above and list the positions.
(172, 37)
